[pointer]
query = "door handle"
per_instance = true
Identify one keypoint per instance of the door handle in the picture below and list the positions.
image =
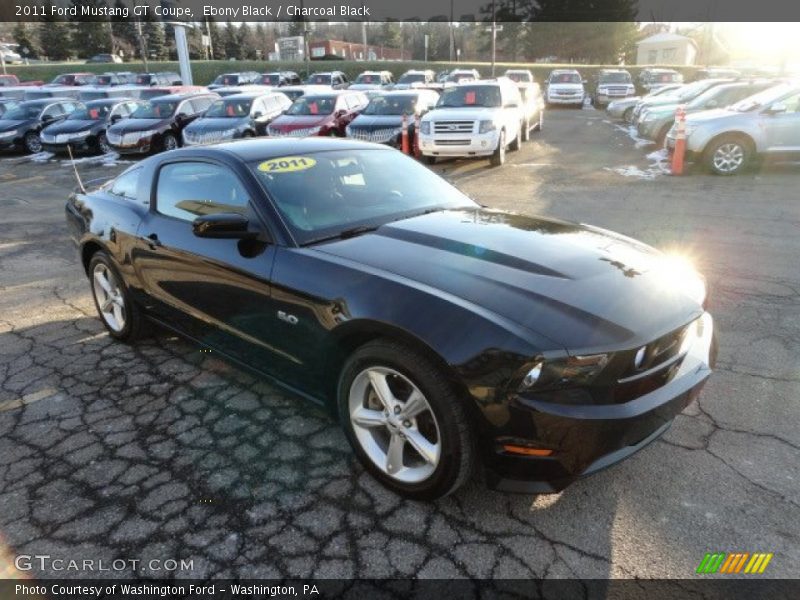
(153, 241)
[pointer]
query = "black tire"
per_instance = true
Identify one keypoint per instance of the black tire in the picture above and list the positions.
(431, 160)
(661, 136)
(738, 149)
(498, 159)
(169, 142)
(135, 323)
(456, 461)
(516, 143)
(103, 147)
(247, 134)
(33, 143)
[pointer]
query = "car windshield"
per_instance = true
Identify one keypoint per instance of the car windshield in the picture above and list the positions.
(226, 80)
(471, 95)
(292, 94)
(271, 79)
(391, 105)
(319, 79)
(326, 194)
(691, 90)
(615, 78)
(565, 78)
(230, 108)
(412, 78)
(102, 80)
(368, 78)
(312, 105)
(155, 110)
(762, 98)
(143, 79)
(520, 77)
(90, 113)
(6, 106)
(20, 113)
(667, 89)
(64, 79)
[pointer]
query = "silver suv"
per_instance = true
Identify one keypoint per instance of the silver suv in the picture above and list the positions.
(728, 139)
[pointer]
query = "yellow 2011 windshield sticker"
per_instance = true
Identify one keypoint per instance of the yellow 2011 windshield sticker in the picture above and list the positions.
(287, 164)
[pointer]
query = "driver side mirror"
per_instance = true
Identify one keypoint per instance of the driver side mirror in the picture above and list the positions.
(223, 226)
(776, 109)
(115, 118)
(340, 113)
(258, 114)
(182, 116)
(47, 118)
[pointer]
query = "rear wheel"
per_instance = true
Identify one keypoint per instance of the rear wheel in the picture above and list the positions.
(119, 314)
(404, 422)
(516, 143)
(431, 160)
(499, 156)
(33, 142)
(728, 155)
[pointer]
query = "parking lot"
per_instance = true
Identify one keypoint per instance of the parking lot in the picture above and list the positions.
(159, 451)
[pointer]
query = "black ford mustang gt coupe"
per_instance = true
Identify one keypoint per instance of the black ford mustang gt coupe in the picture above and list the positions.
(443, 334)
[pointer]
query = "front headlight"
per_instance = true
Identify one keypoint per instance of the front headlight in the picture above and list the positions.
(425, 127)
(486, 127)
(77, 135)
(563, 372)
(689, 129)
(7, 134)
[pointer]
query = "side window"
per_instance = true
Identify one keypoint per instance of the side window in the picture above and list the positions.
(125, 185)
(187, 190)
(54, 110)
(792, 103)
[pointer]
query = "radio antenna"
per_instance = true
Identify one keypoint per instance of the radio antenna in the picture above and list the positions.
(75, 168)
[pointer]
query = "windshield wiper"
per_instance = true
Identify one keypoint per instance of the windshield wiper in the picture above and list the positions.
(344, 234)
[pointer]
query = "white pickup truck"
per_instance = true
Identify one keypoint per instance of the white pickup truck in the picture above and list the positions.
(477, 118)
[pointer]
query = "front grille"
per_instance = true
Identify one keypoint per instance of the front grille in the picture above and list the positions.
(379, 136)
(294, 133)
(617, 91)
(211, 137)
(453, 126)
(661, 361)
(441, 142)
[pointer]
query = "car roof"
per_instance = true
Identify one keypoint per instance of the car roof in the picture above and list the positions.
(44, 101)
(182, 96)
(408, 92)
(108, 101)
(251, 95)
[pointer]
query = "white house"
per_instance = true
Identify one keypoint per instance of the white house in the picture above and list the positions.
(666, 49)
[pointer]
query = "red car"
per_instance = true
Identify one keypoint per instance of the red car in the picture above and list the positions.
(320, 113)
(12, 81)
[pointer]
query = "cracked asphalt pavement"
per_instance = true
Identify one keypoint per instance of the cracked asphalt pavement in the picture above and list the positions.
(160, 451)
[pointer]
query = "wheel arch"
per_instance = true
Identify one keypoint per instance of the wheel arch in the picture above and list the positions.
(734, 133)
(350, 336)
(89, 249)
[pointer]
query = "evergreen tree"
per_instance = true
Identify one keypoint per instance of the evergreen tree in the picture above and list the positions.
(230, 41)
(217, 42)
(156, 40)
(90, 37)
(54, 35)
(246, 43)
(25, 35)
(125, 34)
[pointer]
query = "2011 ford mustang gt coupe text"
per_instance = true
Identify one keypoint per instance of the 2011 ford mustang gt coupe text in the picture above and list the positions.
(445, 335)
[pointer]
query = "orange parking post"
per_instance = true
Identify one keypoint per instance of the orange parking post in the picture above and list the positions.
(404, 136)
(680, 141)
(417, 153)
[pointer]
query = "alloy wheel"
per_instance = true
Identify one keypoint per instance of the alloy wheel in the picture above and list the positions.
(728, 157)
(170, 143)
(110, 301)
(103, 145)
(33, 143)
(394, 424)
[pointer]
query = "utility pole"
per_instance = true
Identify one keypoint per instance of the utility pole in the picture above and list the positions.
(452, 34)
(210, 41)
(364, 39)
(494, 37)
(142, 45)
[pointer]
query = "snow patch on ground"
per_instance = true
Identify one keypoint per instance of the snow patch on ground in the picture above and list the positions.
(632, 133)
(659, 165)
(39, 157)
(106, 160)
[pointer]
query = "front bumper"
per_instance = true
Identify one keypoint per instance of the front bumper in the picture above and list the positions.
(76, 146)
(459, 144)
(649, 130)
(588, 438)
(576, 99)
(139, 148)
(605, 97)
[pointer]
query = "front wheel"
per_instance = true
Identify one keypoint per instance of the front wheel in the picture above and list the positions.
(431, 160)
(33, 143)
(728, 155)
(404, 421)
(102, 144)
(499, 156)
(170, 142)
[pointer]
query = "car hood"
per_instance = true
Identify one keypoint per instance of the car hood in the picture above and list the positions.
(365, 86)
(215, 124)
(289, 122)
(566, 86)
(584, 288)
(6, 125)
(474, 114)
(72, 126)
(130, 125)
(712, 115)
(377, 121)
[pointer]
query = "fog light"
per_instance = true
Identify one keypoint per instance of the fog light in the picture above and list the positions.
(483, 143)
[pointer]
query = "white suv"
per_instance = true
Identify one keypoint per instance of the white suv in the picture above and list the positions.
(479, 118)
(565, 86)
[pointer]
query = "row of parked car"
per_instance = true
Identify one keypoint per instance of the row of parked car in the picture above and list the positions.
(466, 116)
(730, 122)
